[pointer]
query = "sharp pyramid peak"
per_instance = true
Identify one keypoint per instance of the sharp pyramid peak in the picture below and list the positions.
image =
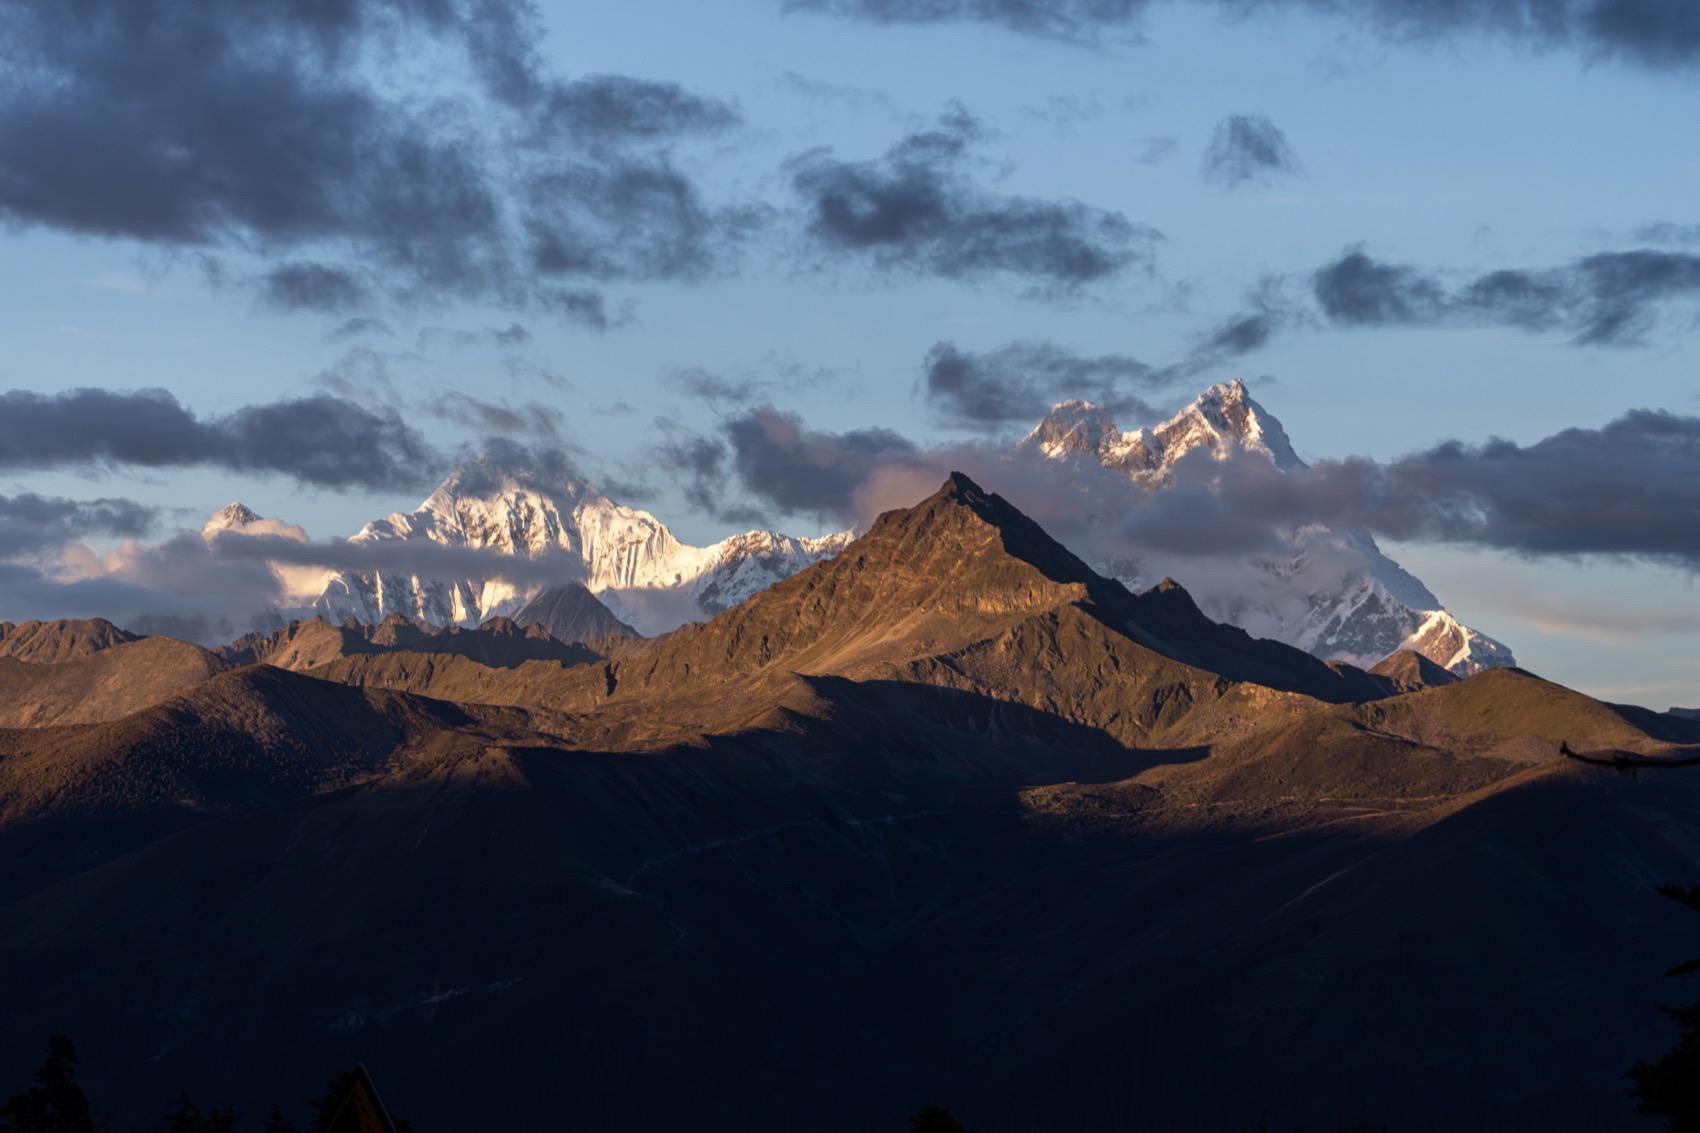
(960, 490)
(959, 486)
(961, 504)
(235, 514)
(231, 517)
(1227, 412)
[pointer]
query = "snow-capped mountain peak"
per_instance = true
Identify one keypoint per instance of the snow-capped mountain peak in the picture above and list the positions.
(631, 561)
(1332, 592)
(1223, 420)
(1075, 427)
(231, 517)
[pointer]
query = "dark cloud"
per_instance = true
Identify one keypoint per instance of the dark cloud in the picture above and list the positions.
(1247, 149)
(31, 523)
(1241, 334)
(1018, 382)
(324, 441)
(1611, 298)
(918, 210)
(779, 464)
(1630, 488)
(1360, 291)
(1655, 33)
(697, 463)
(628, 220)
(617, 110)
(312, 287)
(273, 131)
(1063, 19)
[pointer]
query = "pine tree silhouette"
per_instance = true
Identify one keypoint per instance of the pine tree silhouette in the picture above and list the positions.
(55, 1104)
(1670, 1087)
(936, 1119)
(185, 1116)
(277, 1122)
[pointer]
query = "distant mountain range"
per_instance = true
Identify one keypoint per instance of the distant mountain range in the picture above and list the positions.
(631, 561)
(950, 817)
(1332, 592)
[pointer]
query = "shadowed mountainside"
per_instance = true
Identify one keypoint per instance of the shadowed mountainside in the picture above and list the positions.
(1410, 670)
(498, 643)
(572, 613)
(946, 817)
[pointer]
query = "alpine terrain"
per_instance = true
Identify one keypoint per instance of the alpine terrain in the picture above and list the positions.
(628, 559)
(947, 818)
(1331, 592)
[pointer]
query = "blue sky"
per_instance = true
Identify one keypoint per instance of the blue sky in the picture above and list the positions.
(608, 229)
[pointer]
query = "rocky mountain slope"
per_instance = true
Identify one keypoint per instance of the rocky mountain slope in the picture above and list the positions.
(572, 613)
(1331, 592)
